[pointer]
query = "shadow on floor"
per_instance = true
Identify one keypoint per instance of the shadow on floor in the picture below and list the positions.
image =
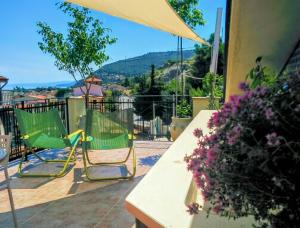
(149, 161)
(34, 165)
(103, 171)
(103, 205)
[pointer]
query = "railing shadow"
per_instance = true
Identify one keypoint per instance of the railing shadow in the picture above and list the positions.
(150, 160)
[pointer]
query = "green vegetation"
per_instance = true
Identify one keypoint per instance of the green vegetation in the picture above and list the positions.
(61, 93)
(211, 85)
(261, 75)
(151, 87)
(206, 89)
(126, 82)
(40, 89)
(19, 89)
(201, 64)
(110, 96)
(187, 10)
(184, 109)
(140, 65)
(81, 48)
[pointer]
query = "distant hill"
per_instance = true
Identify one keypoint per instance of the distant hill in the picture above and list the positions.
(138, 65)
(63, 84)
(117, 71)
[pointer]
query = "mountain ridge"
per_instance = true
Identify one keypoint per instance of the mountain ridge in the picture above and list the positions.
(116, 72)
(139, 65)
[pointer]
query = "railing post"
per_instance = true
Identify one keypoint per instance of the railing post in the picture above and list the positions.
(22, 107)
(173, 105)
(153, 110)
(67, 115)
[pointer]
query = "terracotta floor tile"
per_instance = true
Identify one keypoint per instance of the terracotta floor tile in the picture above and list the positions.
(71, 202)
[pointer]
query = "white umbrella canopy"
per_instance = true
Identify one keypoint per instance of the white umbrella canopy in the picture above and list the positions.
(157, 14)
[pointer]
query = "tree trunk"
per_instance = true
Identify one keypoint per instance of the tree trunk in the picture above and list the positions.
(86, 97)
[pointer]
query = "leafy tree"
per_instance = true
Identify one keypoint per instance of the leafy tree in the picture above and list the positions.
(110, 100)
(206, 89)
(60, 93)
(19, 89)
(171, 87)
(145, 98)
(126, 82)
(187, 10)
(81, 48)
(201, 64)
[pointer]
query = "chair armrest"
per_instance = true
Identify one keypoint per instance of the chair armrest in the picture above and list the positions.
(75, 136)
(27, 136)
(88, 139)
(75, 133)
(131, 136)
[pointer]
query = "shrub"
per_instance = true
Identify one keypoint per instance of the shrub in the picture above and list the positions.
(207, 86)
(250, 163)
(184, 109)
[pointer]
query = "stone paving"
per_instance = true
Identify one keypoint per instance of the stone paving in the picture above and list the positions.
(72, 202)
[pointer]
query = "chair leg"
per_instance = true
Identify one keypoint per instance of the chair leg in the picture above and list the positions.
(60, 174)
(11, 200)
(90, 178)
(109, 163)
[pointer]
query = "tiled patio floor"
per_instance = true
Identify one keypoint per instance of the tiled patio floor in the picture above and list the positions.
(71, 202)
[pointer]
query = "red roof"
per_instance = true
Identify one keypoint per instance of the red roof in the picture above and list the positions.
(42, 97)
(3, 79)
(93, 79)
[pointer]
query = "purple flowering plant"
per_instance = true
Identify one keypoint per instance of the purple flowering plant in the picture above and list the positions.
(250, 163)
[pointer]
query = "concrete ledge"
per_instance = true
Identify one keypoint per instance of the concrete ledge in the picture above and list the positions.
(160, 199)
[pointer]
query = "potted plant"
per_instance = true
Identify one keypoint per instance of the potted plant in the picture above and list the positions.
(183, 118)
(249, 164)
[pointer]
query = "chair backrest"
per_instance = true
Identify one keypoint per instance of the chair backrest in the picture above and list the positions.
(34, 125)
(109, 130)
(5, 143)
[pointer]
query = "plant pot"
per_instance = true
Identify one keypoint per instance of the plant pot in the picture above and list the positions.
(202, 103)
(178, 125)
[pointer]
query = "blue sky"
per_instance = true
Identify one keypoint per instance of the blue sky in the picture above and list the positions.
(22, 61)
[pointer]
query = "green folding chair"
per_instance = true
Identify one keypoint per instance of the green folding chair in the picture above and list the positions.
(107, 131)
(45, 130)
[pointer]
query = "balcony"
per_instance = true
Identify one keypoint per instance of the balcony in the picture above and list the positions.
(71, 201)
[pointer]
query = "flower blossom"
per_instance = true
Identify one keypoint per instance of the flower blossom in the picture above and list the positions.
(244, 86)
(198, 133)
(273, 139)
(193, 208)
(261, 91)
(269, 113)
(218, 208)
(234, 135)
(211, 156)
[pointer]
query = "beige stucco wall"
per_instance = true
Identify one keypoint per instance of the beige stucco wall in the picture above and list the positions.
(268, 28)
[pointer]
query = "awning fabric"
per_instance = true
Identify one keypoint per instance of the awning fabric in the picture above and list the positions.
(157, 14)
